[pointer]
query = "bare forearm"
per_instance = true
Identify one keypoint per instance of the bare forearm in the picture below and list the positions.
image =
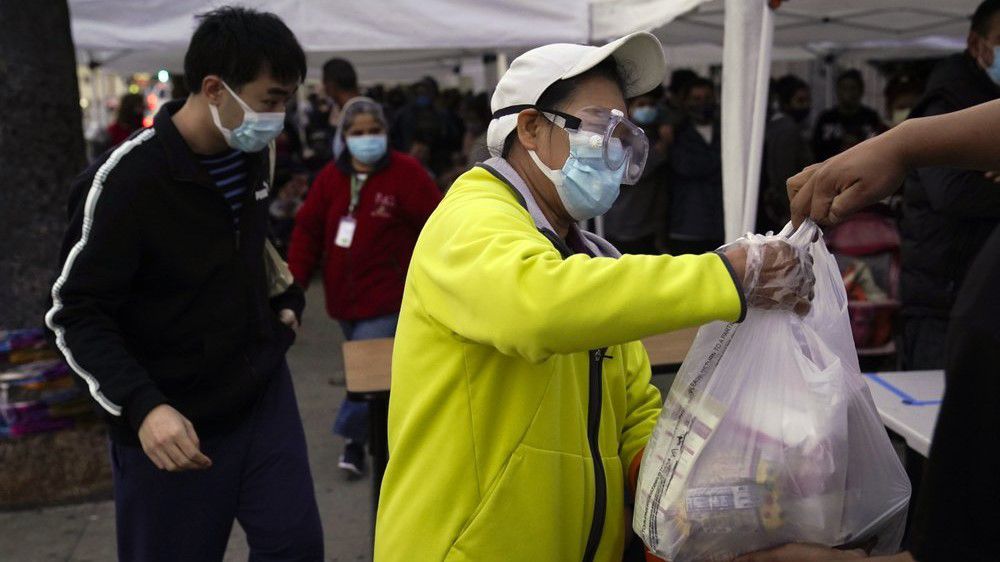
(963, 139)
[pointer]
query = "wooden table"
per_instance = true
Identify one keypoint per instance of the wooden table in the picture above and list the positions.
(368, 363)
(368, 369)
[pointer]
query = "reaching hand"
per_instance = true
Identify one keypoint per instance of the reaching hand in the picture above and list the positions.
(288, 318)
(846, 183)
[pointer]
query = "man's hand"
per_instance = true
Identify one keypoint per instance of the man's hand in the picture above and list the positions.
(859, 177)
(288, 318)
(801, 553)
(993, 176)
(170, 441)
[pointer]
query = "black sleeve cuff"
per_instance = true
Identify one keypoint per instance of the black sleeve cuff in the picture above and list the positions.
(739, 286)
(293, 299)
(141, 403)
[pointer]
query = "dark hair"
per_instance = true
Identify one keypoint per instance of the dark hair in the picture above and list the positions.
(237, 44)
(561, 91)
(679, 80)
(902, 84)
(131, 108)
(786, 87)
(697, 82)
(852, 74)
(340, 73)
(982, 16)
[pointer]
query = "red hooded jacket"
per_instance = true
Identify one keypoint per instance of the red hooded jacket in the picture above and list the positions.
(366, 279)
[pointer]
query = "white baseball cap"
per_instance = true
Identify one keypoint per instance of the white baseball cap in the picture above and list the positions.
(640, 64)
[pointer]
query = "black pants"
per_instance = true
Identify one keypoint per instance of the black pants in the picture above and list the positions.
(259, 476)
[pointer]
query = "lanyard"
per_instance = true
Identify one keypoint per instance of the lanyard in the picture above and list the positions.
(357, 182)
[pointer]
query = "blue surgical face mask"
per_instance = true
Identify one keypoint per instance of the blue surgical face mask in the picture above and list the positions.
(368, 149)
(585, 184)
(994, 69)
(256, 130)
(644, 115)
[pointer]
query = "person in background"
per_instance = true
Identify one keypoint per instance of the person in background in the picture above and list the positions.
(359, 224)
(695, 158)
(952, 522)
(672, 105)
(131, 110)
(285, 205)
(318, 131)
(901, 94)
(423, 122)
(477, 119)
(847, 124)
(633, 222)
(786, 151)
(948, 213)
(340, 82)
(165, 309)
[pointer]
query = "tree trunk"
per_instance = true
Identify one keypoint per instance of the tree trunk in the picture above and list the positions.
(41, 150)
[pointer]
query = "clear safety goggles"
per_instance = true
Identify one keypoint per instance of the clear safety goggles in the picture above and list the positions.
(621, 143)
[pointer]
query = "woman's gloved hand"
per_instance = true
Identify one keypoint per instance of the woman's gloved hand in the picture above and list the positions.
(775, 274)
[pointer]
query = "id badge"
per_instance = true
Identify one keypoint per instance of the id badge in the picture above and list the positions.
(345, 232)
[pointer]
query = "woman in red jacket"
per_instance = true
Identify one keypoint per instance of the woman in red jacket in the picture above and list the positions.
(360, 221)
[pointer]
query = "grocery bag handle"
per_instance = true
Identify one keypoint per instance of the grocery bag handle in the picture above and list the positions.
(805, 234)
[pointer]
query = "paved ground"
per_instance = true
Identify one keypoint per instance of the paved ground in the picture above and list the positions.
(86, 532)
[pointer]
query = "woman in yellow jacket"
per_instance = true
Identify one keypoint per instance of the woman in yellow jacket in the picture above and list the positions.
(520, 396)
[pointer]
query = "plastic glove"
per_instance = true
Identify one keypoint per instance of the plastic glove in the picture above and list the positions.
(777, 275)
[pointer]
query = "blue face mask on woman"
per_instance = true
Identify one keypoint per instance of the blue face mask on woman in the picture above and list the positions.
(994, 69)
(644, 115)
(586, 185)
(368, 149)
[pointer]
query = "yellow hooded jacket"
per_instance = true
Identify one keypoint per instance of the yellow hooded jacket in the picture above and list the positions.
(514, 368)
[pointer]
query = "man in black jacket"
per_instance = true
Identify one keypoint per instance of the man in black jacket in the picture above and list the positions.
(948, 213)
(847, 124)
(164, 308)
(696, 224)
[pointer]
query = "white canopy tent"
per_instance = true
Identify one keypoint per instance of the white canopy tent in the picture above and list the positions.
(403, 39)
(383, 38)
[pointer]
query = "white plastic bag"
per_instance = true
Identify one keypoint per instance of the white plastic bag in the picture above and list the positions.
(769, 435)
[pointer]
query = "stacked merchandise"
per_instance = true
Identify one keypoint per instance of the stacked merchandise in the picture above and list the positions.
(38, 391)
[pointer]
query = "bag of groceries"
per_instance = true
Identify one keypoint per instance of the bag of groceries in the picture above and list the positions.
(769, 436)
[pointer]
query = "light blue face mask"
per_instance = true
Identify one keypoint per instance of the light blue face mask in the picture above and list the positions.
(256, 130)
(644, 115)
(368, 149)
(994, 69)
(586, 185)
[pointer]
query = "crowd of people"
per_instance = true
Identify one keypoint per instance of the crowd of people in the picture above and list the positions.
(485, 288)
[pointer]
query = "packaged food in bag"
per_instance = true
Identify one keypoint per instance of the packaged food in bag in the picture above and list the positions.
(769, 436)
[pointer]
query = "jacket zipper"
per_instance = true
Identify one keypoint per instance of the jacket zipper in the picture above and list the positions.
(594, 403)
